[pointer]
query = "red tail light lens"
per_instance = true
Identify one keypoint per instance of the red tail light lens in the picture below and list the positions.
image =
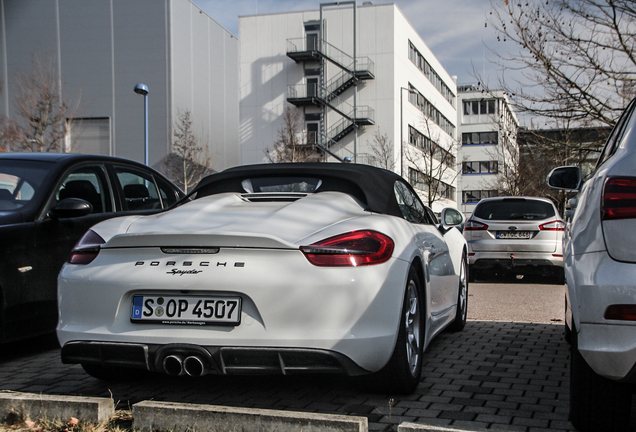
(471, 225)
(87, 249)
(619, 198)
(356, 248)
(622, 312)
(557, 225)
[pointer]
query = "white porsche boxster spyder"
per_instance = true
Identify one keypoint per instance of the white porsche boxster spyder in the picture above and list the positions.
(277, 268)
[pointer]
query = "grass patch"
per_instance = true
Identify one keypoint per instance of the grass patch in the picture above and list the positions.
(120, 421)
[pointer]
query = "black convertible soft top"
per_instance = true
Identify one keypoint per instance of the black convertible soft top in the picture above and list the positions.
(372, 186)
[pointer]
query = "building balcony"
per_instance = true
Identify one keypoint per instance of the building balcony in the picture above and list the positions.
(312, 49)
(313, 94)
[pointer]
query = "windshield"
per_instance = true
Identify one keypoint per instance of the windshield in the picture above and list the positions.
(281, 184)
(514, 209)
(20, 183)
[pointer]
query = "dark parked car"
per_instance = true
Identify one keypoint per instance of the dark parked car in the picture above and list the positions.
(47, 202)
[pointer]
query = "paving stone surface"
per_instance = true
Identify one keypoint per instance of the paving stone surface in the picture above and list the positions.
(501, 376)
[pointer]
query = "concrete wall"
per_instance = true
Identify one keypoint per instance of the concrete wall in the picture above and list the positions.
(102, 48)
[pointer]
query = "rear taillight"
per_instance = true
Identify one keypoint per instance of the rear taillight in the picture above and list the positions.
(87, 249)
(471, 225)
(356, 248)
(557, 225)
(622, 312)
(619, 198)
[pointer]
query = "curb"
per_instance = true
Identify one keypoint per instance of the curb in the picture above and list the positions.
(87, 409)
(181, 417)
(416, 427)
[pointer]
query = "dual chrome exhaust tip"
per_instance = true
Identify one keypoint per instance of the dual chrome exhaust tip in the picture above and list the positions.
(176, 365)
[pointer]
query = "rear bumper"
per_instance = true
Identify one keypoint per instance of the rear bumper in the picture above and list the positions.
(596, 281)
(287, 303)
(519, 262)
(215, 360)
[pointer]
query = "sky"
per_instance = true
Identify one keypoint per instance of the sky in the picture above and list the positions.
(454, 30)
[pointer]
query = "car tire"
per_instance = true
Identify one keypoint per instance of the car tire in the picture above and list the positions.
(558, 275)
(113, 373)
(596, 403)
(461, 312)
(567, 331)
(402, 373)
(471, 273)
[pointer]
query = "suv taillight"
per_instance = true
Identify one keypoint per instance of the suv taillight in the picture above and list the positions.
(352, 249)
(619, 198)
(471, 225)
(87, 249)
(557, 225)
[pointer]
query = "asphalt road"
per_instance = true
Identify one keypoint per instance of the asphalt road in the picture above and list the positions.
(516, 300)
(507, 371)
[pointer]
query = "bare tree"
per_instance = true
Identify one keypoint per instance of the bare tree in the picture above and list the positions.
(432, 167)
(382, 148)
(542, 150)
(291, 144)
(41, 121)
(189, 160)
(577, 57)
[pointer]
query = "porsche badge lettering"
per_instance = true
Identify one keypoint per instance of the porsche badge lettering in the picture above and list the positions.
(182, 272)
(190, 271)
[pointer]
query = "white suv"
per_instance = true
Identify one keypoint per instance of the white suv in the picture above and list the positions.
(599, 253)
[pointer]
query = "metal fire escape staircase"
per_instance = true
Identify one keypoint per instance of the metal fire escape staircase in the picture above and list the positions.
(328, 95)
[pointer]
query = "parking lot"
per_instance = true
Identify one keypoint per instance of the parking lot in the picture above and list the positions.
(501, 373)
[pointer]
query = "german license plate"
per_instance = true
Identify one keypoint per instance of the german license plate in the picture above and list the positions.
(514, 234)
(186, 310)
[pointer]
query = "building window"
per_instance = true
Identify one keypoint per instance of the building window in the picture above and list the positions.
(480, 107)
(420, 181)
(474, 196)
(479, 111)
(470, 138)
(418, 59)
(481, 167)
(417, 99)
(417, 179)
(430, 147)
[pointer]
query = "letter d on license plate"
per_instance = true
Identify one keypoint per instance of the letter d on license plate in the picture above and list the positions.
(186, 310)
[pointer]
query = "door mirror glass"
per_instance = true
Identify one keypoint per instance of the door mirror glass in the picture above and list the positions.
(565, 178)
(452, 217)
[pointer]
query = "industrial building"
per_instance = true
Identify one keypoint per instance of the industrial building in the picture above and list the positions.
(365, 85)
(100, 49)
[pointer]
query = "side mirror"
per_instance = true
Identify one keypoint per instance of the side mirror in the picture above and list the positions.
(573, 202)
(452, 217)
(565, 178)
(70, 208)
(570, 208)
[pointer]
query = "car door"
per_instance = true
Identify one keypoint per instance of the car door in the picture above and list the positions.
(433, 248)
(141, 191)
(56, 237)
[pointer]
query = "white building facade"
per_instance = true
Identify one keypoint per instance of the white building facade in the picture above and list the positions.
(100, 49)
(489, 152)
(367, 89)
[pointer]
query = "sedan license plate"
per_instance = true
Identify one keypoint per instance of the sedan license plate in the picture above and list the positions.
(514, 234)
(186, 310)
